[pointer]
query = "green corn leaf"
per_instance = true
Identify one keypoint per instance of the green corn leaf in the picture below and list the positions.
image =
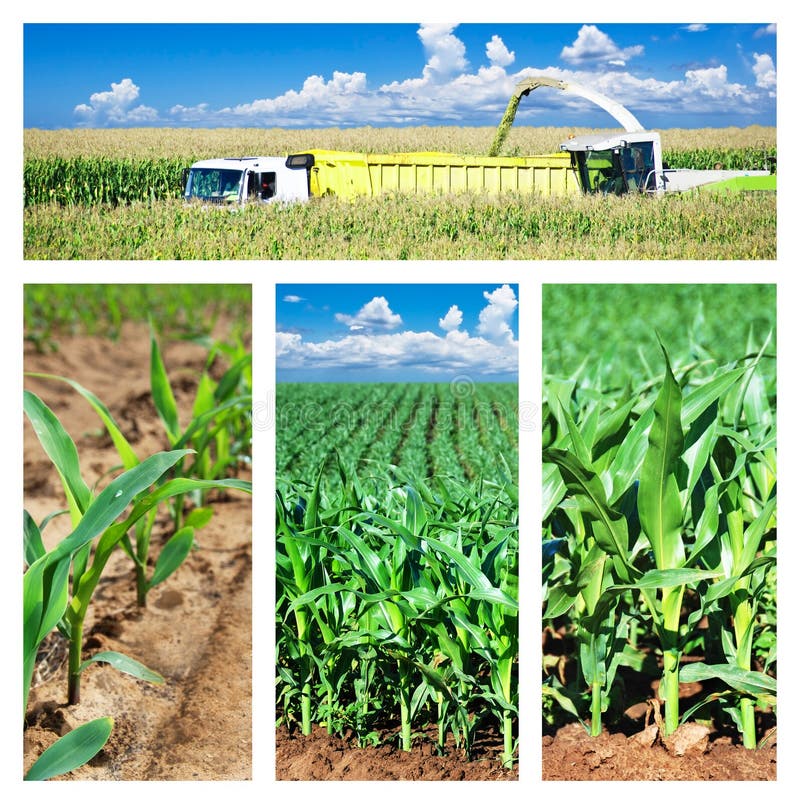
(123, 663)
(415, 517)
(45, 594)
(33, 546)
(161, 391)
(746, 681)
(700, 399)
(60, 448)
(553, 489)
(172, 555)
(660, 509)
(114, 499)
(611, 527)
(72, 750)
(664, 579)
(198, 518)
(124, 449)
(626, 466)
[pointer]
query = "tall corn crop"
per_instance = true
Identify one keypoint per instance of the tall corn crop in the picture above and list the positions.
(397, 578)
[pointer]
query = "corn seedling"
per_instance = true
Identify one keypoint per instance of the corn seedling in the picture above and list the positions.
(216, 406)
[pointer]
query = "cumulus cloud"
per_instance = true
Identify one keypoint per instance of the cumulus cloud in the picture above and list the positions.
(374, 315)
(113, 107)
(292, 299)
(498, 53)
(493, 320)
(446, 52)
(493, 350)
(696, 27)
(593, 45)
(767, 30)
(765, 72)
(452, 319)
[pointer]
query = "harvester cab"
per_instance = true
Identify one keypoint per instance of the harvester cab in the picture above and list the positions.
(613, 163)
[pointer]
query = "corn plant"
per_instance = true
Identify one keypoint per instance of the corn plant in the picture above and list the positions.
(216, 406)
(406, 581)
(649, 499)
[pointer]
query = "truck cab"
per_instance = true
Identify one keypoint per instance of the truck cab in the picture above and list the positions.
(618, 163)
(263, 179)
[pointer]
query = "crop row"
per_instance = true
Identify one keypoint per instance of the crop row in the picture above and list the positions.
(87, 180)
(397, 227)
(424, 428)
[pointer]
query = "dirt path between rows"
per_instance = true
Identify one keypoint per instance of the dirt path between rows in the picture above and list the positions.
(196, 629)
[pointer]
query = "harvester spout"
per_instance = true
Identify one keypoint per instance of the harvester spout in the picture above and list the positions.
(527, 85)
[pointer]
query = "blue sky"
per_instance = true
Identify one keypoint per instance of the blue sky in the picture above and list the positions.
(398, 333)
(392, 74)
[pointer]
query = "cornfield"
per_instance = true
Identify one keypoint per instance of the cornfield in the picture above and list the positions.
(397, 567)
(116, 195)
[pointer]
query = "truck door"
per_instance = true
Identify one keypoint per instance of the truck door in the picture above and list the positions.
(261, 186)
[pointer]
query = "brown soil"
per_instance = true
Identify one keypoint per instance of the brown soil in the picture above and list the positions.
(320, 756)
(573, 756)
(196, 628)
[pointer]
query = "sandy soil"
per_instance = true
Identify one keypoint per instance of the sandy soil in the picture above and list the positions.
(196, 628)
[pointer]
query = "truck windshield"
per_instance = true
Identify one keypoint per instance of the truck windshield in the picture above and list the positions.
(618, 170)
(214, 183)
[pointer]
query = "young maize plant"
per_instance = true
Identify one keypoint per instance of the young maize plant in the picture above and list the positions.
(647, 498)
(206, 438)
(386, 579)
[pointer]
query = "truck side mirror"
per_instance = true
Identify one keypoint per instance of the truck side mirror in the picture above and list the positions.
(184, 178)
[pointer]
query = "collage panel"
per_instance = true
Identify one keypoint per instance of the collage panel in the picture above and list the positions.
(487, 141)
(397, 555)
(659, 551)
(137, 532)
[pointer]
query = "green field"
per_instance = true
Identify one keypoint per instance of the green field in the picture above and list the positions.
(613, 328)
(397, 561)
(116, 195)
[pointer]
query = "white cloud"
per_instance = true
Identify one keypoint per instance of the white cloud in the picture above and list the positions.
(767, 30)
(374, 315)
(113, 107)
(494, 351)
(452, 319)
(446, 52)
(493, 319)
(292, 299)
(713, 82)
(593, 45)
(696, 27)
(448, 90)
(498, 53)
(765, 72)
(434, 354)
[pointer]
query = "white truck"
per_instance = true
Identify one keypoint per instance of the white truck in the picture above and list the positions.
(243, 179)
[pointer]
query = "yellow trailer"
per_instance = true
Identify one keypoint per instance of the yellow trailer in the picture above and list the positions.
(349, 175)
